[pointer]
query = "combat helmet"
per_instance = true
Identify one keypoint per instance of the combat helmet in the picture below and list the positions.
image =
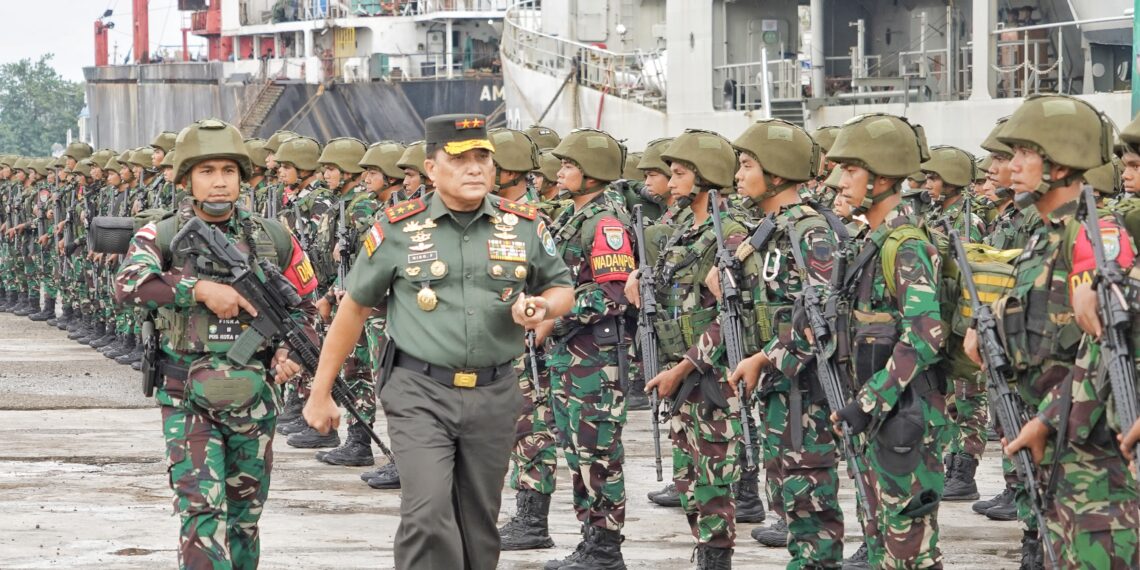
(40, 165)
(209, 139)
(651, 157)
(301, 152)
(165, 141)
(630, 171)
(548, 166)
(953, 165)
(1106, 179)
(544, 137)
(825, 137)
(112, 165)
(78, 150)
(7, 160)
(1130, 137)
(981, 167)
(994, 145)
(169, 159)
(257, 151)
(711, 157)
(101, 156)
(1065, 131)
(273, 143)
(385, 155)
(141, 157)
(342, 152)
(783, 150)
(83, 167)
(885, 145)
(414, 157)
(514, 152)
(597, 154)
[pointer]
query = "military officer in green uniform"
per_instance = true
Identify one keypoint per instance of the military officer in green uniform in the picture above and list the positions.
(462, 273)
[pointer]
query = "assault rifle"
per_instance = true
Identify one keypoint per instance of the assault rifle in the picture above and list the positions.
(647, 335)
(271, 201)
(346, 243)
(1011, 416)
(274, 297)
(1109, 283)
(732, 320)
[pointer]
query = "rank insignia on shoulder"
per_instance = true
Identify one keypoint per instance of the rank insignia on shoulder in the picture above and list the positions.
(405, 209)
(522, 210)
(374, 238)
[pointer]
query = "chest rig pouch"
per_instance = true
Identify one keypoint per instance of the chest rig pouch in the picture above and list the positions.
(681, 320)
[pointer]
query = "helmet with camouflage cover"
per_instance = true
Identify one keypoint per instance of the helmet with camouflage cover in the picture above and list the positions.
(514, 150)
(711, 157)
(414, 156)
(385, 155)
(209, 139)
(994, 145)
(549, 165)
(273, 143)
(595, 152)
(301, 152)
(783, 150)
(342, 152)
(141, 157)
(885, 145)
(953, 165)
(165, 140)
(651, 157)
(825, 137)
(544, 137)
(78, 150)
(630, 172)
(1106, 179)
(257, 151)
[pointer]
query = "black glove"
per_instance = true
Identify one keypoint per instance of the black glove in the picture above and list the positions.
(855, 417)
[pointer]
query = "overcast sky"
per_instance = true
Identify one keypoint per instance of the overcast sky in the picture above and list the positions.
(66, 28)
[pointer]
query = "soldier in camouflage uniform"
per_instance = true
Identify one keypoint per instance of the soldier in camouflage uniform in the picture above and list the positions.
(895, 333)
(161, 192)
(218, 415)
(8, 292)
(515, 157)
(417, 184)
(704, 424)
(586, 347)
(1095, 516)
(800, 453)
(257, 189)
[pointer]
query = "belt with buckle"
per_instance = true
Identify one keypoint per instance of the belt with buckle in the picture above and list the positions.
(450, 376)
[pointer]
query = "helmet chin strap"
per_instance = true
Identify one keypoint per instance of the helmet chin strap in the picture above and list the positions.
(1024, 200)
(215, 209)
(869, 201)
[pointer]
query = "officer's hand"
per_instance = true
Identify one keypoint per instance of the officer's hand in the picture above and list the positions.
(712, 280)
(1085, 309)
(222, 299)
(749, 370)
(666, 382)
(324, 308)
(537, 306)
(286, 369)
(542, 332)
(1129, 440)
(1032, 437)
(632, 290)
(321, 414)
(970, 345)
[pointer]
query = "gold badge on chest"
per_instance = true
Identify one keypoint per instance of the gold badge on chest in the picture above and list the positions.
(426, 298)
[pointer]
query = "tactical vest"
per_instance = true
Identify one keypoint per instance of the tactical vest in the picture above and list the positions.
(572, 242)
(196, 329)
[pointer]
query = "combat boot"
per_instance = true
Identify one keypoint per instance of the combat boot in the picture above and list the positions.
(78, 320)
(64, 319)
(669, 497)
(116, 347)
(48, 311)
(602, 551)
(98, 329)
(962, 487)
(293, 408)
(31, 305)
(386, 477)
(712, 558)
(310, 438)
(749, 507)
(528, 529)
(134, 351)
(949, 462)
(1002, 512)
(8, 300)
(1003, 498)
(109, 337)
(636, 399)
(355, 452)
(775, 535)
(859, 560)
(1032, 552)
(573, 557)
(296, 426)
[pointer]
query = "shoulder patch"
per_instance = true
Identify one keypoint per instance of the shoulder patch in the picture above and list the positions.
(405, 209)
(374, 238)
(611, 258)
(519, 209)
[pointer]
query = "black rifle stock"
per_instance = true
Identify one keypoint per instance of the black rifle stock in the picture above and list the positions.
(731, 320)
(274, 297)
(647, 335)
(1007, 406)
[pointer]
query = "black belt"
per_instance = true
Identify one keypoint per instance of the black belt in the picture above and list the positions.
(167, 368)
(451, 376)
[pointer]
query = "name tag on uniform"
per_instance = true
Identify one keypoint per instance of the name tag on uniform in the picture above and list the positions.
(506, 250)
(224, 330)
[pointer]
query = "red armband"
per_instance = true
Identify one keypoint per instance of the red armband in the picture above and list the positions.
(300, 272)
(611, 258)
(1117, 246)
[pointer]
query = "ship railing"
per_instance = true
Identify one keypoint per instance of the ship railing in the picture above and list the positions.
(740, 86)
(635, 76)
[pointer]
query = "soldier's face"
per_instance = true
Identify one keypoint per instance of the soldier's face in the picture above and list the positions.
(6, 172)
(168, 174)
(286, 173)
(466, 177)
(71, 162)
(1026, 169)
(215, 180)
(934, 185)
(657, 183)
(569, 177)
(999, 172)
(1131, 172)
(114, 178)
(750, 177)
(96, 173)
(853, 184)
(333, 177)
(841, 206)
(681, 180)
(270, 161)
(157, 156)
(412, 179)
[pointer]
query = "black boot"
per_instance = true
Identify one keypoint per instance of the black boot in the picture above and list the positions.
(858, 561)
(962, 487)
(602, 551)
(310, 438)
(48, 311)
(636, 399)
(293, 408)
(1002, 512)
(135, 352)
(8, 300)
(1032, 552)
(298, 425)
(528, 529)
(31, 306)
(574, 556)
(1003, 498)
(104, 340)
(78, 320)
(669, 497)
(775, 535)
(124, 345)
(355, 452)
(386, 477)
(949, 462)
(749, 507)
(64, 318)
(98, 329)
(712, 558)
